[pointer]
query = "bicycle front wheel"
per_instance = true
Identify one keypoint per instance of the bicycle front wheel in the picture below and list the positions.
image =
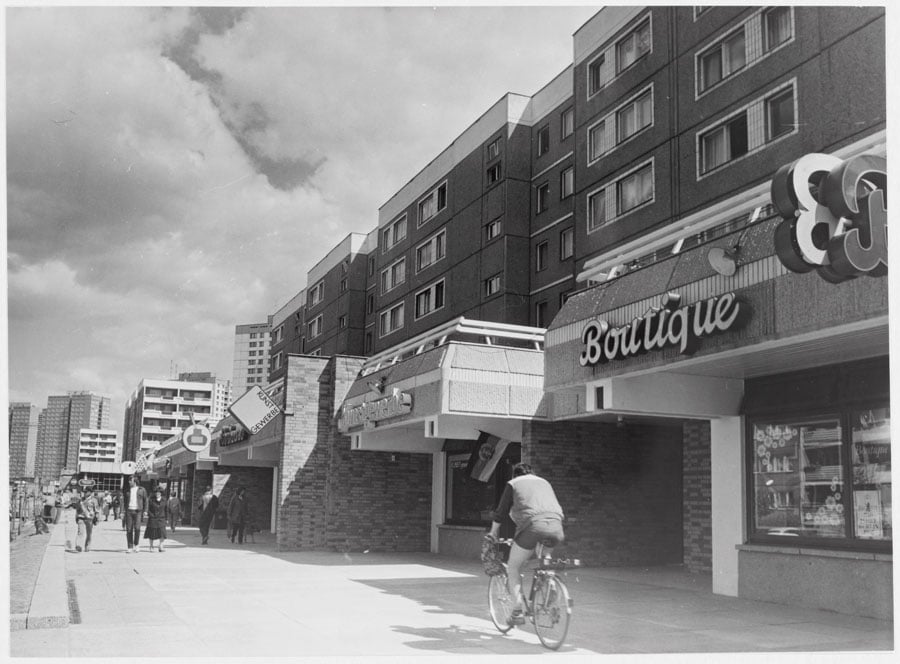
(500, 603)
(552, 610)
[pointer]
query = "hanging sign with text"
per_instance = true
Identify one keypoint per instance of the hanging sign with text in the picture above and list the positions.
(835, 216)
(254, 410)
(668, 325)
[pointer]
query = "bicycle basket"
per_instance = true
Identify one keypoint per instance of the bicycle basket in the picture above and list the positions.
(491, 559)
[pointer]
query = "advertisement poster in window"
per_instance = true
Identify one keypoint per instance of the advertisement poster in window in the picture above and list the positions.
(867, 506)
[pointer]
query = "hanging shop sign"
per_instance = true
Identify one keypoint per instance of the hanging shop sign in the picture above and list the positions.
(254, 410)
(835, 216)
(369, 413)
(196, 438)
(232, 436)
(668, 325)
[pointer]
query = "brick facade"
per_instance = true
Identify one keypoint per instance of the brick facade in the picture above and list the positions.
(697, 498)
(620, 487)
(334, 498)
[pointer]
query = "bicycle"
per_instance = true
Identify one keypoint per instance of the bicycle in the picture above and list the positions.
(547, 602)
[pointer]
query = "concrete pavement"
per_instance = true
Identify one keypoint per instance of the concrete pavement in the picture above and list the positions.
(253, 601)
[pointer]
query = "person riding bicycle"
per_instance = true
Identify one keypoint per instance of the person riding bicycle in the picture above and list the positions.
(532, 505)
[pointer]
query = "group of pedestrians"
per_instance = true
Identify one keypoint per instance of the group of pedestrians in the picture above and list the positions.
(159, 511)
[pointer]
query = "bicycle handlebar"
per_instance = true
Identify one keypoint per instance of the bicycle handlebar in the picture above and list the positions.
(546, 561)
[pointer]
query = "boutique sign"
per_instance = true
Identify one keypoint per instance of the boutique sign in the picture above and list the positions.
(661, 327)
(835, 216)
(369, 413)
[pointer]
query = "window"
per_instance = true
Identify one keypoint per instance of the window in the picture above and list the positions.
(617, 198)
(541, 252)
(597, 77)
(393, 276)
(278, 334)
(276, 362)
(700, 10)
(493, 174)
(431, 251)
(429, 300)
(597, 143)
(723, 59)
(493, 149)
(317, 294)
(543, 196)
(370, 304)
(433, 203)
(371, 266)
(596, 209)
(342, 322)
(567, 182)
(778, 28)
(368, 343)
(540, 314)
(780, 114)
(543, 140)
(634, 116)
(564, 297)
(492, 230)
(393, 233)
(635, 189)
(253, 335)
(390, 320)
(469, 498)
(343, 285)
(633, 47)
(314, 327)
(566, 243)
(807, 484)
(724, 143)
(492, 285)
(567, 123)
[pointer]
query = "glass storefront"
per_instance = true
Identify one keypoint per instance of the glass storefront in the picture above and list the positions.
(824, 478)
(470, 501)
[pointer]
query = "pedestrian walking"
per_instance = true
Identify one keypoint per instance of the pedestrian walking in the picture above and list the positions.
(71, 500)
(87, 516)
(116, 505)
(174, 510)
(135, 508)
(208, 505)
(237, 515)
(107, 505)
(157, 512)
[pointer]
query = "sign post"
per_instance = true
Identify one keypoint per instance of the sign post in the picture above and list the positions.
(254, 410)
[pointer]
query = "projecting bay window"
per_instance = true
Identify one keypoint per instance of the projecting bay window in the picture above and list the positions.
(430, 300)
(619, 197)
(393, 276)
(391, 320)
(431, 251)
(393, 234)
(750, 129)
(434, 202)
(743, 46)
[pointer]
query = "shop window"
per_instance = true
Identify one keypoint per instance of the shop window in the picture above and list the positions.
(470, 501)
(824, 478)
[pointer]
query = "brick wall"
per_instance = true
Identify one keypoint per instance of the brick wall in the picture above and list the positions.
(332, 497)
(697, 498)
(619, 486)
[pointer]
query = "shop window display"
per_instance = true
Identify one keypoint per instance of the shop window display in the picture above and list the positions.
(811, 480)
(470, 501)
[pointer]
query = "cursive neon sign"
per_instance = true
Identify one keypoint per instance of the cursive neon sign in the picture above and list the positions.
(835, 216)
(668, 325)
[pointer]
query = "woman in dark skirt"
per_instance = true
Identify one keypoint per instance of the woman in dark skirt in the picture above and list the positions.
(157, 513)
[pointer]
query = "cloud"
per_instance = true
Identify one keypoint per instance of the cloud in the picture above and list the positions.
(174, 172)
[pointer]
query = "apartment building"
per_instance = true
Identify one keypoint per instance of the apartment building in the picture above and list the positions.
(160, 408)
(59, 427)
(712, 388)
(288, 331)
(99, 446)
(23, 435)
(251, 357)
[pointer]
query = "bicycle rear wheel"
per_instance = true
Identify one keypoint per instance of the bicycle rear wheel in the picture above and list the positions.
(500, 603)
(552, 610)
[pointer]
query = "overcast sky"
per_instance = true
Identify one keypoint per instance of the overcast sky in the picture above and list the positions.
(172, 173)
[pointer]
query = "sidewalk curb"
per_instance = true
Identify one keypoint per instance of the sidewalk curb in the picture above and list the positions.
(49, 603)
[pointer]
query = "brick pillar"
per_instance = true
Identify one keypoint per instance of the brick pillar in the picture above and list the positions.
(697, 498)
(303, 462)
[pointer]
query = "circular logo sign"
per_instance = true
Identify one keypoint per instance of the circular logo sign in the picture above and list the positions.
(196, 438)
(86, 482)
(127, 467)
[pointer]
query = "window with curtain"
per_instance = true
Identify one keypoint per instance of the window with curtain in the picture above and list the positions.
(780, 114)
(633, 47)
(723, 60)
(635, 189)
(724, 143)
(596, 209)
(778, 28)
(634, 116)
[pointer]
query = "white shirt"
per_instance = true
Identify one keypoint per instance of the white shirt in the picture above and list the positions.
(132, 498)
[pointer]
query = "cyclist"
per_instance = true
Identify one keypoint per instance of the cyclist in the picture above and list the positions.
(532, 505)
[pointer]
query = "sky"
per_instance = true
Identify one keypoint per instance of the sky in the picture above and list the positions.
(175, 172)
